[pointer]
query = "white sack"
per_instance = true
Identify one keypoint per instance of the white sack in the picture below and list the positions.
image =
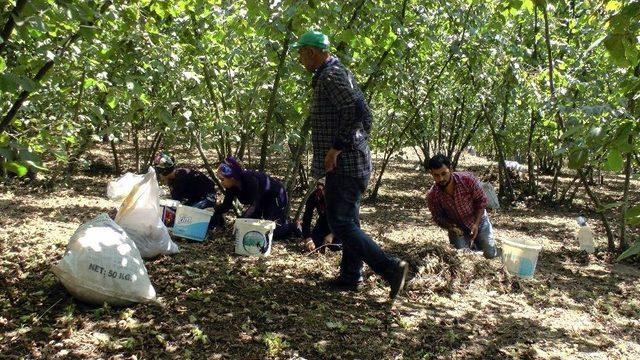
(490, 192)
(514, 166)
(121, 187)
(102, 264)
(139, 216)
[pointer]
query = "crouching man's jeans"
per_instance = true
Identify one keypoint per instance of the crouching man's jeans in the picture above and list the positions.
(484, 241)
(342, 196)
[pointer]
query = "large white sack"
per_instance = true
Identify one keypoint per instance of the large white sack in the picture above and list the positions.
(102, 264)
(121, 187)
(139, 216)
(490, 192)
(514, 166)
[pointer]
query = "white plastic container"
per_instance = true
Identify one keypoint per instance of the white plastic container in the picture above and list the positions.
(520, 257)
(585, 236)
(191, 223)
(253, 237)
(585, 239)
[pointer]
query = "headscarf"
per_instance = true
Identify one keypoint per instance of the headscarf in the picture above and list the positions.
(164, 163)
(231, 168)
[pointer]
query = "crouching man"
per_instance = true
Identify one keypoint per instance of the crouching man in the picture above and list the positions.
(457, 204)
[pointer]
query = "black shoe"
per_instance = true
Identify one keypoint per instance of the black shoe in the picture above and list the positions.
(341, 284)
(397, 278)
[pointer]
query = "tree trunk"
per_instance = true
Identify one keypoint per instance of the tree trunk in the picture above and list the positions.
(625, 200)
(342, 45)
(386, 53)
(530, 161)
(506, 190)
(554, 102)
(631, 108)
(11, 22)
(605, 222)
(274, 92)
(468, 138)
(136, 147)
(13, 111)
(85, 138)
(155, 145)
(114, 150)
(209, 169)
(300, 149)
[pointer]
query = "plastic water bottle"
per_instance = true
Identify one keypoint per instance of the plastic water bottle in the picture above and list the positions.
(585, 236)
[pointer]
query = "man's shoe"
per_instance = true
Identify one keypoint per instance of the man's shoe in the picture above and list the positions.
(341, 284)
(397, 278)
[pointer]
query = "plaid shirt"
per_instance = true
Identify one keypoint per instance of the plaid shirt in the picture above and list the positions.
(339, 117)
(461, 208)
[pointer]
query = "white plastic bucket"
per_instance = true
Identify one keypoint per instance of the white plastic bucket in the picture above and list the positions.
(585, 239)
(520, 257)
(191, 223)
(253, 237)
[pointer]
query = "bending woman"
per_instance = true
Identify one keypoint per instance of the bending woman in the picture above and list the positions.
(190, 187)
(266, 197)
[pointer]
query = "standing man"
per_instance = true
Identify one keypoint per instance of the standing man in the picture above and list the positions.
(340, 119)
(457, 204)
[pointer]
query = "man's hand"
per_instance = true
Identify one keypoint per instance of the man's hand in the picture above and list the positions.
(331, 159)
(474, 231)
(308, 243)
(328, 239)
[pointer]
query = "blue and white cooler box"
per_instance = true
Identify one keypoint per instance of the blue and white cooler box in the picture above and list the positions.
(253, 237)
(191, 223)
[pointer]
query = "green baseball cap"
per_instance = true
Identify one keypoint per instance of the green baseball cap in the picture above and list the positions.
(313, 38)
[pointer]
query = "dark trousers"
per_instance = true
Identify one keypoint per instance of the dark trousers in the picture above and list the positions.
(342, 196)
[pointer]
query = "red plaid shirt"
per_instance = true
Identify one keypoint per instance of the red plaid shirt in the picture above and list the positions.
(461, 208)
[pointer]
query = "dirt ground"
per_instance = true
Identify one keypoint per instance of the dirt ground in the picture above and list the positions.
(216, 305)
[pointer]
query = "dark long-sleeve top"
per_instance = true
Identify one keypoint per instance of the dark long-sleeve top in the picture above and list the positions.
(340, 119)
(190, 186)
(255, 187)
(314, 202)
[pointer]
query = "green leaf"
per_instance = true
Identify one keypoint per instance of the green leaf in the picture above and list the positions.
(25, 83)
(16, 168)
(615, 161)
(36, 166)
(111, 101)
(515, 4)
(610, 206)
(32, 159)
(578, 158)
(612, 6)
(633, 215)
(3, 64)
(6, 153)
(9, 82)
(615, 47)
(87, 32)
(89, 82)
(633, 250)
(528, 4)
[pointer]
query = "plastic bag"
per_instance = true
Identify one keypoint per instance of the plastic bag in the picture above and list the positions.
(121, 187)
(490, 192)
(102, 264)
(139, 215)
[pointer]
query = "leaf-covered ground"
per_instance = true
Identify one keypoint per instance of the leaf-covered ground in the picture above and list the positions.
(218, 305)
